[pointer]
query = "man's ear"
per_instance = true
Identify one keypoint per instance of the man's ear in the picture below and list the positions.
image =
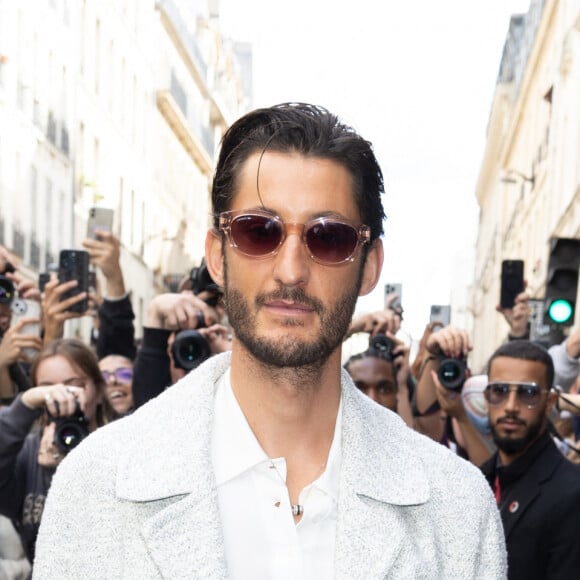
(372, 267)
(214, 258)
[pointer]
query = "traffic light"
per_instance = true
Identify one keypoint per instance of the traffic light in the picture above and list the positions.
(562, 281)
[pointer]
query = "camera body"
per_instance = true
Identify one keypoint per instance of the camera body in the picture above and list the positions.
(70, 431)
(200, 280)
(189, 349)
(452, 372)
(6, 290)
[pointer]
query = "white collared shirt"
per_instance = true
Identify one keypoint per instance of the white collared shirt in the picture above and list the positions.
(261, 539)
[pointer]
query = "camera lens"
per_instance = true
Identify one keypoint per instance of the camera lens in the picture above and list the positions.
(189, 349)
(6, 290)
(451, 373)
(382, 343)
(70, 431)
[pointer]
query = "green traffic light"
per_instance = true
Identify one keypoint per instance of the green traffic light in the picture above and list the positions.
(560, 311)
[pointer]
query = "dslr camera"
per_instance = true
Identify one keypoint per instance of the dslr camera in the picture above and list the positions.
(383, 345)
(451, 372)
(7, 289)
(190, 348)
(70, 431)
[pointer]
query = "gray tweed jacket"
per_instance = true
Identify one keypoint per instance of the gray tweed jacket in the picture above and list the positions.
(137, 499)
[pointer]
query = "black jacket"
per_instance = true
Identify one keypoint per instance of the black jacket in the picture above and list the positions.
(540, 511)
(116, 328)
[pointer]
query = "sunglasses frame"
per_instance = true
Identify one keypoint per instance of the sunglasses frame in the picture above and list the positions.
(517, 387)
(227, 218)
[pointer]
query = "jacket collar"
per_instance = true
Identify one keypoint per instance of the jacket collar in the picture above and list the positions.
(173, 457)
(169, 472)
(378, 456)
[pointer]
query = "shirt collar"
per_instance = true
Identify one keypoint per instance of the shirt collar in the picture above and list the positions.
(330, 478)
(235, 448)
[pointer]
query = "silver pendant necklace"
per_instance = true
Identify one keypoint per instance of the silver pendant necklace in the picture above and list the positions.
(297, 509)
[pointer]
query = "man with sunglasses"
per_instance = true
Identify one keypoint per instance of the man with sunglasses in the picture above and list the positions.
(266, 462)
(537, 489)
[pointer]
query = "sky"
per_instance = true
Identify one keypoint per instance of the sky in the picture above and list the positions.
(414, 77)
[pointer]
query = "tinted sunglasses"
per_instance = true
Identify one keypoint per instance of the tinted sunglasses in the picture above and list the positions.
(121, 375)
(528, 394)
(259, 234)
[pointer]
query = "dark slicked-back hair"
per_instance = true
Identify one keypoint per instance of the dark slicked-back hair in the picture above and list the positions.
(309, 130)
(526, 350)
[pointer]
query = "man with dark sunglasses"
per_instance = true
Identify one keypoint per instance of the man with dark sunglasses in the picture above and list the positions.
(266, 462)
(537, 489)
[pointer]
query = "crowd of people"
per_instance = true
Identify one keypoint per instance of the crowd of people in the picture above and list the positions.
(231, 441)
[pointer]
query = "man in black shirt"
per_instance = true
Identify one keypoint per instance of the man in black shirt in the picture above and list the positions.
(537, 489)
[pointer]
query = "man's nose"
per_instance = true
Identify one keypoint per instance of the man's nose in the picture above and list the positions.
(512, 402)
(292, 262)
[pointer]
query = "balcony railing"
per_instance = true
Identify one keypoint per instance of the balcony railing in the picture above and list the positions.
(171, 11)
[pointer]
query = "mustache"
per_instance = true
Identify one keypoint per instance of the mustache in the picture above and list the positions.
(297, 295)
(511, 419)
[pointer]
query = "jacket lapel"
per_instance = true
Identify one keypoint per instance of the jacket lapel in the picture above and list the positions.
(525, 491)
(168, 474)
(185, 539)
(379, 474)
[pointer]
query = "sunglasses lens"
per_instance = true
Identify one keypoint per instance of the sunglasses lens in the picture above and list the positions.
(331, 242)
(497, 393)
(529, 394)
(256, 235)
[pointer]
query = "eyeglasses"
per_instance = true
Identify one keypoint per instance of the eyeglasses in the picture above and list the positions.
(528, 394)
(121, 375)
(259, 234)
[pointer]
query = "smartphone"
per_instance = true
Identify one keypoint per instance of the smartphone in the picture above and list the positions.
(25, 308)
(394, 289)
(440, 313)
(512, 282)
(100, 218)
(74, 265)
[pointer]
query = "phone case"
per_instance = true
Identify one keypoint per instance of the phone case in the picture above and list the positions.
(512, 282)
(100, 218)
(395, 289)
(74, 265)
(440, 313)
(25, 308)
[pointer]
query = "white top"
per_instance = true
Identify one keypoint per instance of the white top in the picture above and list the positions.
(261, 538)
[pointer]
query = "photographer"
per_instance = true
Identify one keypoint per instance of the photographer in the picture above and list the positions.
(446, 353)
(69, 385)
(464, 431)
(381, 372)
(196, 307)
(116, 331)
(14, 362)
